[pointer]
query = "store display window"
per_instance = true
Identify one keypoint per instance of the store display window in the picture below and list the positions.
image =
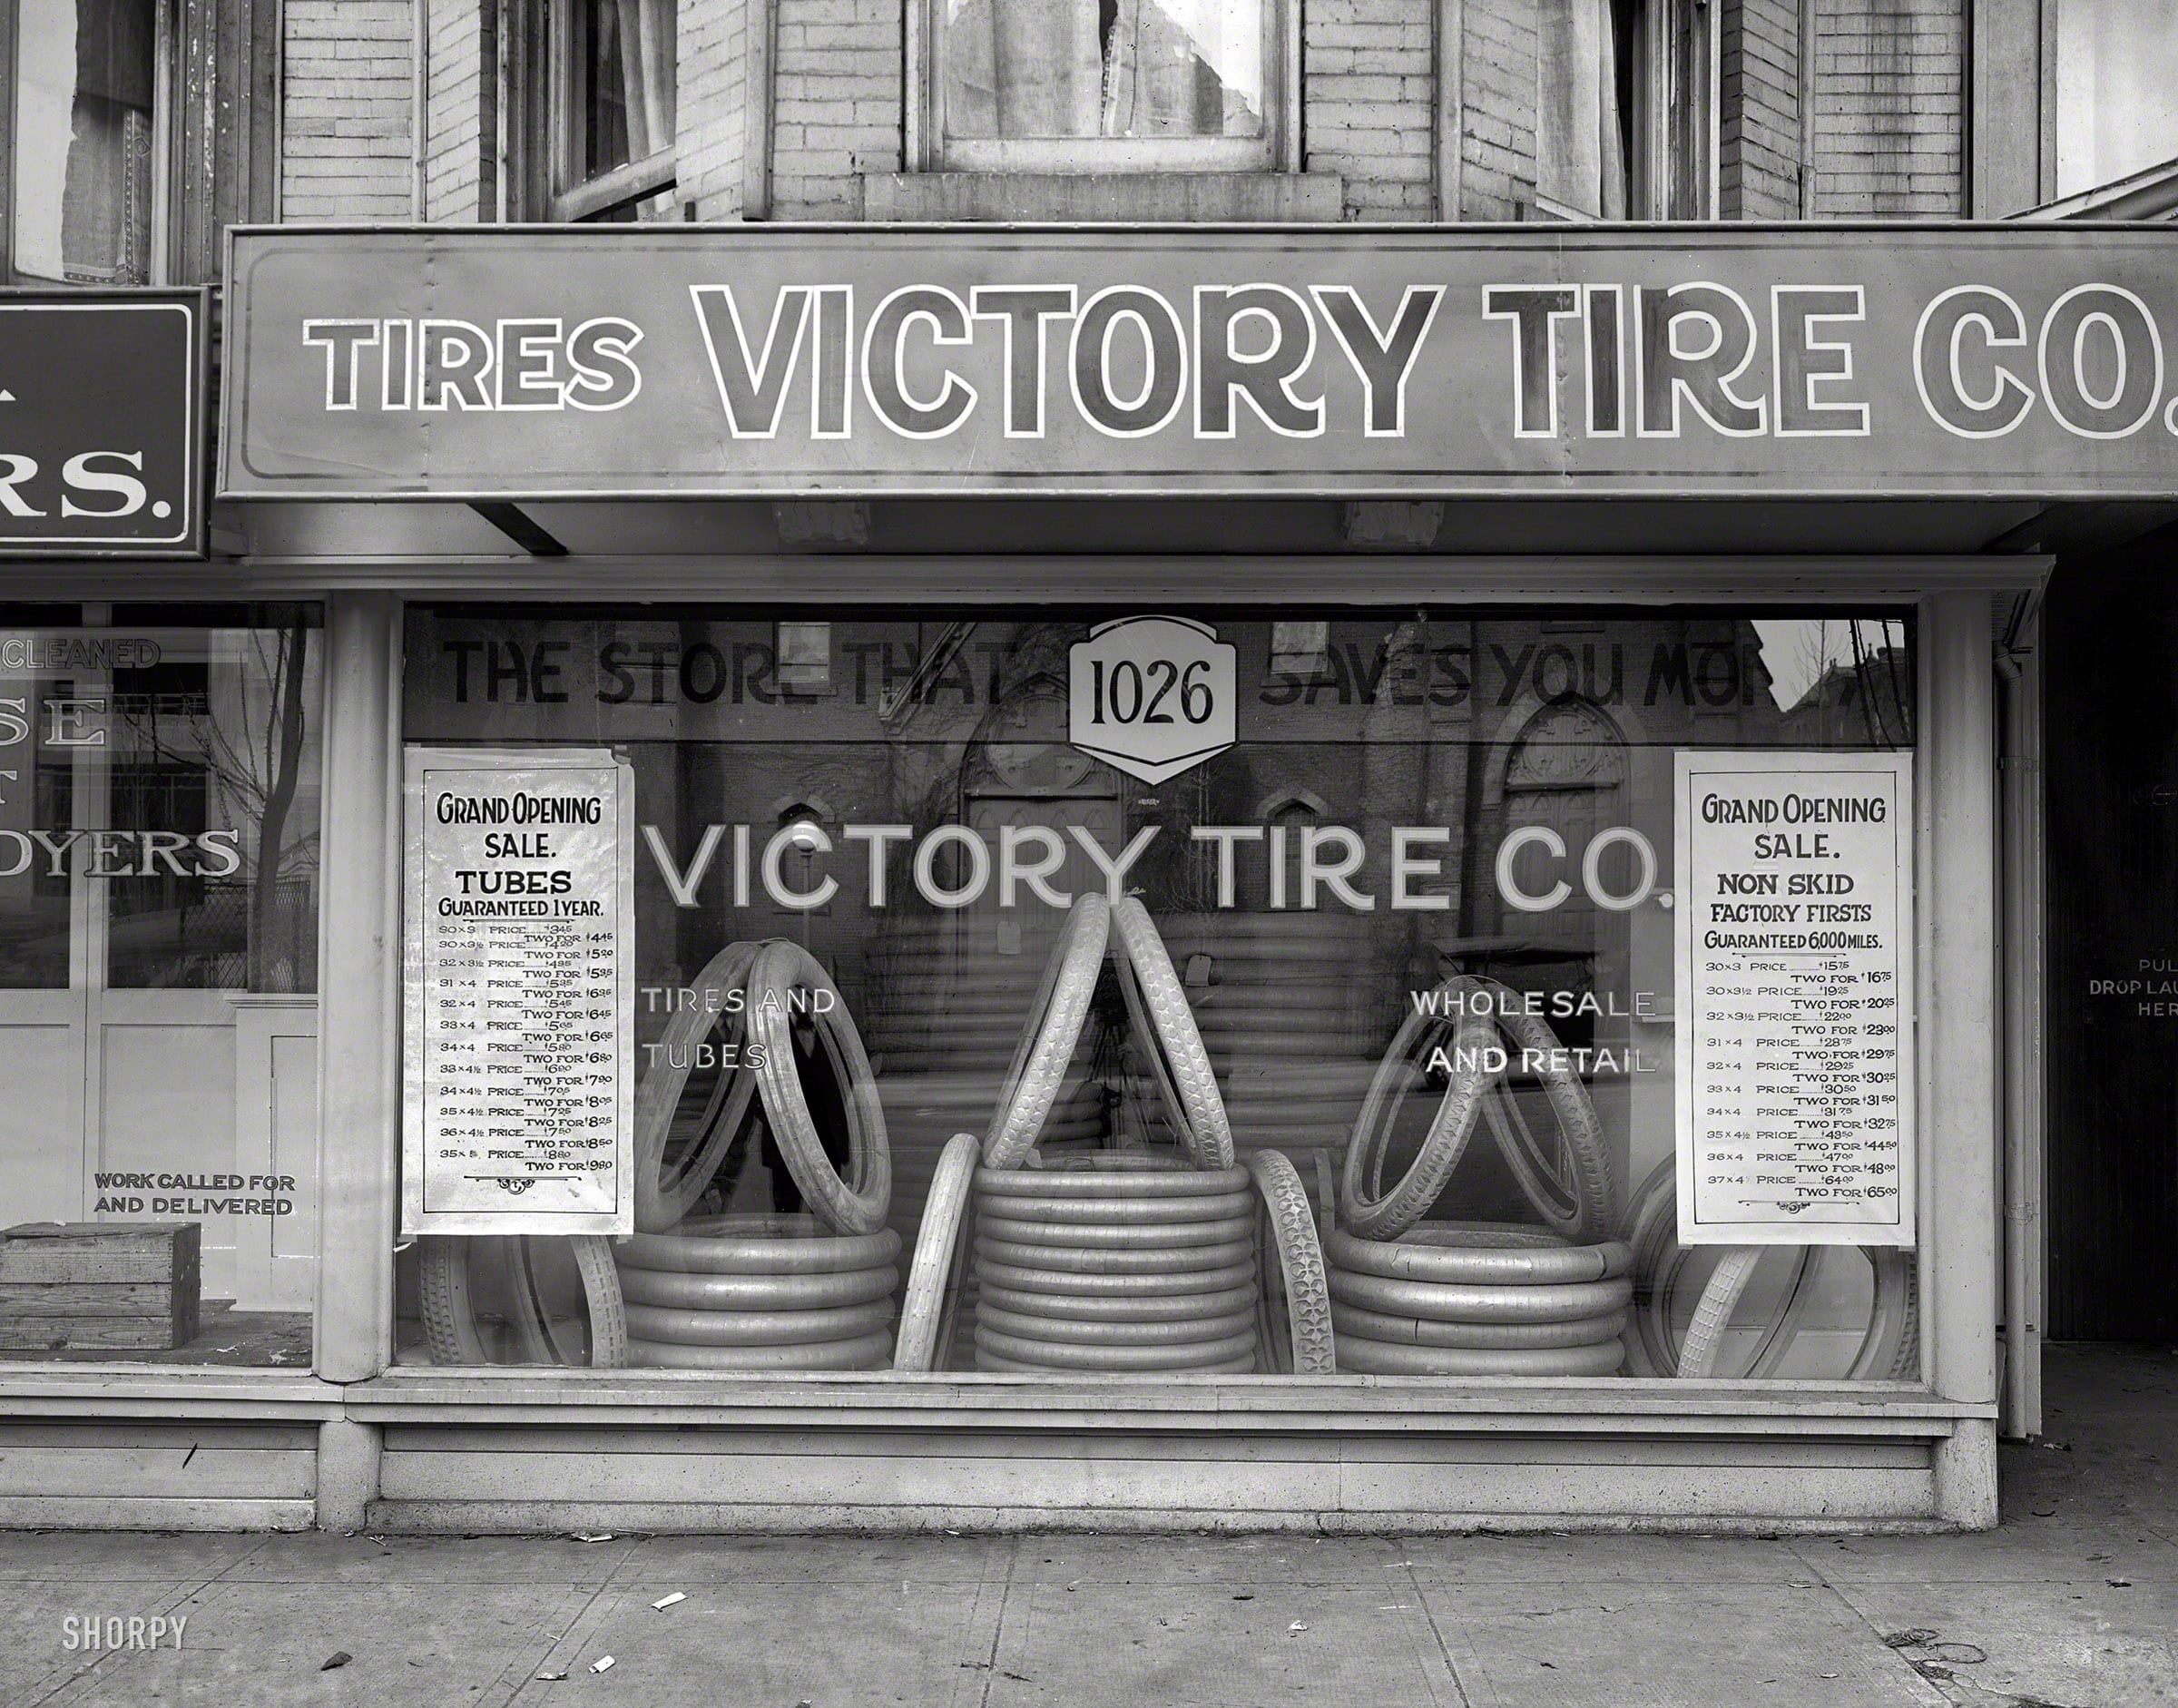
(161, 769)
(1462, 993)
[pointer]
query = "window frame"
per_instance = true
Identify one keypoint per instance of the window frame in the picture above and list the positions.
(1277, 149)
(543, 136)
(1672, 170)
(161, 259)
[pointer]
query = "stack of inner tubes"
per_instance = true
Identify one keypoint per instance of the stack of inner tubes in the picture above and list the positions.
(1126, 1262)
(757, 1293)
(1292, 1009)
(1477, 1298)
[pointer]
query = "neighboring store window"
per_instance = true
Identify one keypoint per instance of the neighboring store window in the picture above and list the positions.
(804, 651)
(2118, 91)
(88, 152)
(612, 69)
(1105, 85)
(1415, 812)
(160, 788)
(1625, 94)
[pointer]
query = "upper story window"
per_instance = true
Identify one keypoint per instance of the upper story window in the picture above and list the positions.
(2116, 91)
(1106, 85)
(611, 69)
(90, 154)
(1626, 106)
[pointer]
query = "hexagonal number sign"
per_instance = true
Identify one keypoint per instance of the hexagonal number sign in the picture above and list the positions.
(1152, 695)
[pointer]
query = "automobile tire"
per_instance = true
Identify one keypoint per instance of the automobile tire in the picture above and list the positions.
(1306, 1346)
(1166, 1028)
(663, 1198)
(857, 1202)
(933, 1277)
(1364, 1207)
(1053, 1033)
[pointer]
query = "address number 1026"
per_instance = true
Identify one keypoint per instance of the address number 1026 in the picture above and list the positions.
(1125, 692)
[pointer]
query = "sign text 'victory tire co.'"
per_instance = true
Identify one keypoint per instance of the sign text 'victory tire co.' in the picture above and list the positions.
(520, 1005)
(1889, 360)
(1794, 1060)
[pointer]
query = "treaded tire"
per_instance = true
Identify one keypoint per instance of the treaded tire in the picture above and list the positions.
(1580, 1208)
(935, 1275)
(1364, 1207)
(852, 1206)
(659, 1200)
(1308, 1346)
(1053, 1033)
(1166, 1027)
(448, 1302)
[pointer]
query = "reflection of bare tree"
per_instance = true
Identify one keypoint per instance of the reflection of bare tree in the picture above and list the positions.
(248, 742)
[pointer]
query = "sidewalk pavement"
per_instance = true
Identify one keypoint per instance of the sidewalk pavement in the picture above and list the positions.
(2073, 1601)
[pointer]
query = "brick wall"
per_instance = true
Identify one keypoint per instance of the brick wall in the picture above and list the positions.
(347, 151)
(1367, 102)
(1758, 139)
(1890, 98)
(1498, 109)
(837, 103)
(454, 143)
(711, 149)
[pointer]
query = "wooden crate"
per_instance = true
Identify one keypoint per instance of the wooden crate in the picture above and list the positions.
(132, 1286)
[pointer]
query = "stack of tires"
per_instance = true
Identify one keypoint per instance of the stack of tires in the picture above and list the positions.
(1471, 1299)
(808, 1293)
(754, 1293)
(1110, 1261)
(1412, 1296)
(1124, 1265)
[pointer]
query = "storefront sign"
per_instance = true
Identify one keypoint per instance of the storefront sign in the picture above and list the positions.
(2018, 361)
(1154, 696)
(518, 954)
(1794, 921)
(102, 412)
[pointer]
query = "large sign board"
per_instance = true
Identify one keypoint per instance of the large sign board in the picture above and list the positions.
(1794, 919)
(517, 944)
(1892, 360)
(102, 423)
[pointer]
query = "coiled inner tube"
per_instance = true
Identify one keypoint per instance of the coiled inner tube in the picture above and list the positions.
(990, 1362)
(1080, 1284)
(671, 1324)
(1157, 1260)
(1110, 1212)
(1464, 1252)
(1124, 1308)
(1124, 1236)
(757, 1245)
(1071, 1331)
(1377, 1357)
(1444, 1302)
(868, 1351)
(1110, 1174)
(1353, 1322)
(701, 1292)
(1066, 1355)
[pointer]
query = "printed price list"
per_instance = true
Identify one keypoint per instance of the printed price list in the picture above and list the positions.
(1794, 1067)
(520, 1051)
(1796, 1062)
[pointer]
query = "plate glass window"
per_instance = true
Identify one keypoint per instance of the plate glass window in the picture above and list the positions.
(1105, 85)
(613, 65)
(1413, 914)
(161, 774)
(89, 157)
(2117, 91)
